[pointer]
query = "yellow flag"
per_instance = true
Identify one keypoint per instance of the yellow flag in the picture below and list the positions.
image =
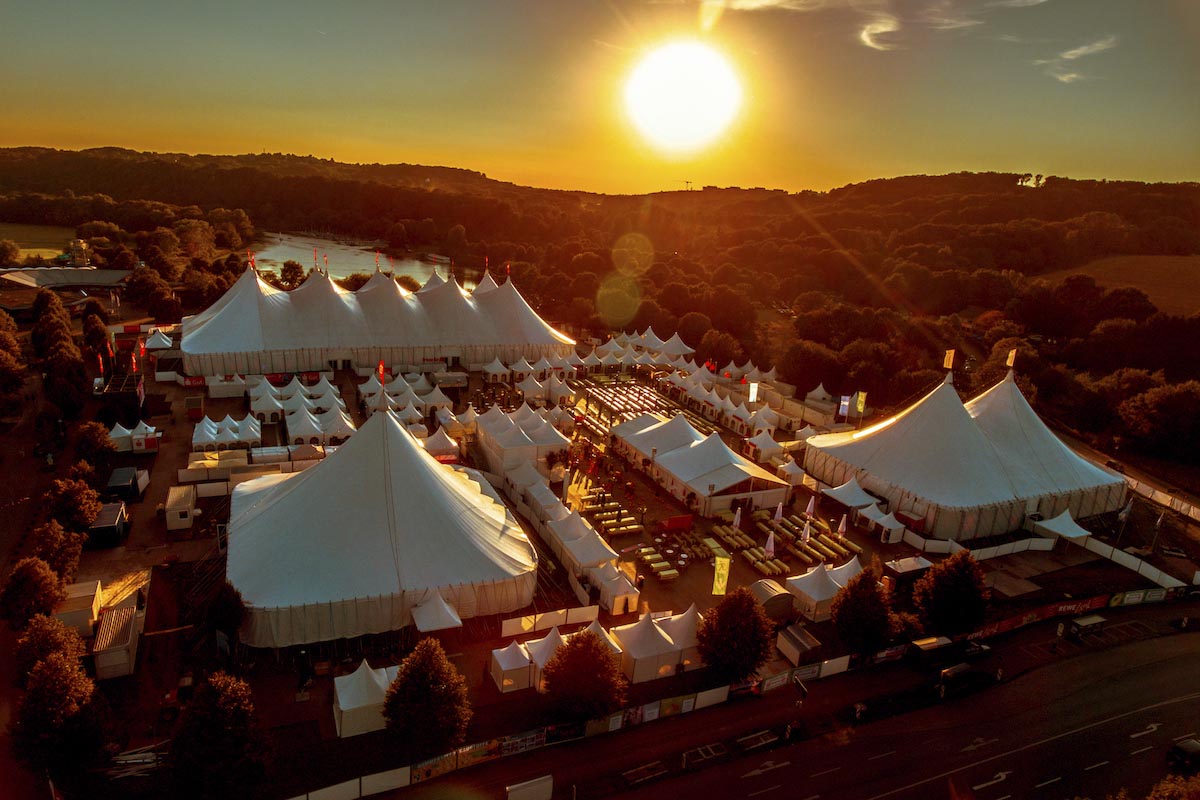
(862, 402)
(1012, 358)
(721, 575)
(948, 363)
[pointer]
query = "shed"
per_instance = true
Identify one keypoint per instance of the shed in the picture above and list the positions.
(180, 507)
(81, 608)
(110, 527)
(776, 601)
(123, 484)
(115, 647)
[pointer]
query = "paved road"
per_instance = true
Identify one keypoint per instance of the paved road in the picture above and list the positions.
(1082, 728)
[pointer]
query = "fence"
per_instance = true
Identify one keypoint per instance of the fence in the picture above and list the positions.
(515, 626)
(1164, 499)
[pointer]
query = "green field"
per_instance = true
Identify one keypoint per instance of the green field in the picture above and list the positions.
(42, 240)
(1172, 282)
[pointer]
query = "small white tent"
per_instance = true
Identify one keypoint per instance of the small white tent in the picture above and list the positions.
(512, 668)
(647, 652)
(814, 591)
(682, 629)
(358, 701)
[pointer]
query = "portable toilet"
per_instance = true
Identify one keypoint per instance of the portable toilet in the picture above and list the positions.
(180, 508)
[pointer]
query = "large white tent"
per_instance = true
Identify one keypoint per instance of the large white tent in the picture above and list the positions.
(255, 328)
(683, 629)
(970, 471)
(931, 462)
(1050, 476)
(351, 545)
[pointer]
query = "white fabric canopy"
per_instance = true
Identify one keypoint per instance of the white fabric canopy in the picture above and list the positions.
(350, 545)
(1065, 526)
(435, 614)
(850, 494)
(440, 444)
(358, 700)
(256, 328)
(512, 668)
(766, 446)
(791, 472)
(647, 652)
(682, 629)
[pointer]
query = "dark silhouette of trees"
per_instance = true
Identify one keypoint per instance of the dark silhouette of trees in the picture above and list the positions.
(692, 327)
(219, 750)
(950, 596)
(427, 706)
(73, 503)
(226, 610)
(10, 254)
(32, 588)
(43, 637)
(58, 727)
(59, 548)
(291, 274)
(584, 680)
(12, 376)
(93, 445)
(861, 615)
(1165, 420)
(734, 637)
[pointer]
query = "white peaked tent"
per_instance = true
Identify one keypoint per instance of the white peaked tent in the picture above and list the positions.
(351, 545)
(327, 402)
(791, 472)
(598, 629)
(541, 651)
(370, 387)
(358, 700)
(931, 461)
(819, 395)
(435, 398)
(119, 436)
(435, 614)
(1063, 525)
(1050, 476)
(420, 385)
(542, 367)
(439, 443)
(297, 402)
(842, 575)
(467, 419)
(545, 502)
(646, 652)
(814, 591)
(303, 428)
(521, 369)
(660, 437)
(512, 668)
(158, 341)
(877, 517)
(255, 328)
(522, 476)
(850, 494)
(495, 372)
(485, 285)
(531, 389)
(650, 341)
(617, 595)
(292, 388)
(336, 424)
(592, 362)
(765, 446)
(682, 629)
(675, 347)
(709, 468)
(322, 387)
(586, 551)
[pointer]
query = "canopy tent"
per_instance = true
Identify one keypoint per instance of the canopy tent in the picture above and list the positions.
(358, 700)
(545, 502)
(439, 443)
(765, 446)
(322, 387)
(434, 399)
(158, 341)
(256, 328)
(304, 428)
(646, 652)
(930, 461)
(566, 529)
(649, 340)
(495, 372)
(531, 388)
(675, 347)
(618, 595)
(682, 630)
(542, 367)
(819, 395)
(708, 467)
(435, 614)
(467, 419)
(1064, 525)
(120, 437)
(814, 592)
(791, 472)
(522, 476)
(486, 284)
(540, 652)
(850, 494)
(512, 668)
(660, 437)
(405, 525)
(1050, 476)
(877, 517)
(598, 629)
(586, 551)
(776, 601)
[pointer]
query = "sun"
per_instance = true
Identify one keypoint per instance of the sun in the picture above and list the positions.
(682, 96)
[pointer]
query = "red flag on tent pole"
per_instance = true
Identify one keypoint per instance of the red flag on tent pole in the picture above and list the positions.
(380, 370)
(507, 268)
(316, 263)
(100, 363)
(133, 362)
(326, 256)
(485, 266)
(377, 260)
(141, 347)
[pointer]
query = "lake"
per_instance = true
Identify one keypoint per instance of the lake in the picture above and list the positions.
(344, 259)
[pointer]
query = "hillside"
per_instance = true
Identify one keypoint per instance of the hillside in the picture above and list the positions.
(1171, 282)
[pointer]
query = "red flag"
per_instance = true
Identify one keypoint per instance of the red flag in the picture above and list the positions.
(326, 256)
(110, 350)
(507, 268)
(315, 262)
(141, 347)
(485, 262)
(100, 363)
(133, 362)
(380, 370)
(376, 259)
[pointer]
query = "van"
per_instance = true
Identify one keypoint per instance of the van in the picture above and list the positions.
(1184, 756)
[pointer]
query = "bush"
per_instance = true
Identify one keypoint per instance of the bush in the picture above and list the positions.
(93, 445)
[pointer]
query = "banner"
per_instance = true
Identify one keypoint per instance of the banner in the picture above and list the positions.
(948, 363)
(721, 575)
(1012, 358)
(862, 402)
(844, 406)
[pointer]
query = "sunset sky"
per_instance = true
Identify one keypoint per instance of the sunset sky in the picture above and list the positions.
(530, 91)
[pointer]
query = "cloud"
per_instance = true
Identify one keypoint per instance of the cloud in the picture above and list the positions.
(1016, 3)
(944, 15)
(1059, 67)
(880, 25)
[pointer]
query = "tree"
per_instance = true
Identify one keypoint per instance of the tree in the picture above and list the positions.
(219, 751)
(397, 236)
(1176, 787)
(1165, 420)
(950, 595)
(734, 638)
(408, 282)
(12, 375)
(583, 679)
(10, 254)
(73, 503)
(59, 548)
(720, 348)
(32, 588)
(93, 445)
(860, 614)
(43, 637)
(66, 384)
(226, 610)
(57, 727)
(291, 274)
(692, 327)
(427, 705)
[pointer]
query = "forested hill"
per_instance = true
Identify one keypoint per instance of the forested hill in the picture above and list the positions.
(963, 216)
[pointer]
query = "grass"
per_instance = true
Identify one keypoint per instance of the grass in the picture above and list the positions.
(37, 240)
(1172, 282)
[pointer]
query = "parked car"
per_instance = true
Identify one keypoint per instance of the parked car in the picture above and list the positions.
(1115, 466)
(1184, 756)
